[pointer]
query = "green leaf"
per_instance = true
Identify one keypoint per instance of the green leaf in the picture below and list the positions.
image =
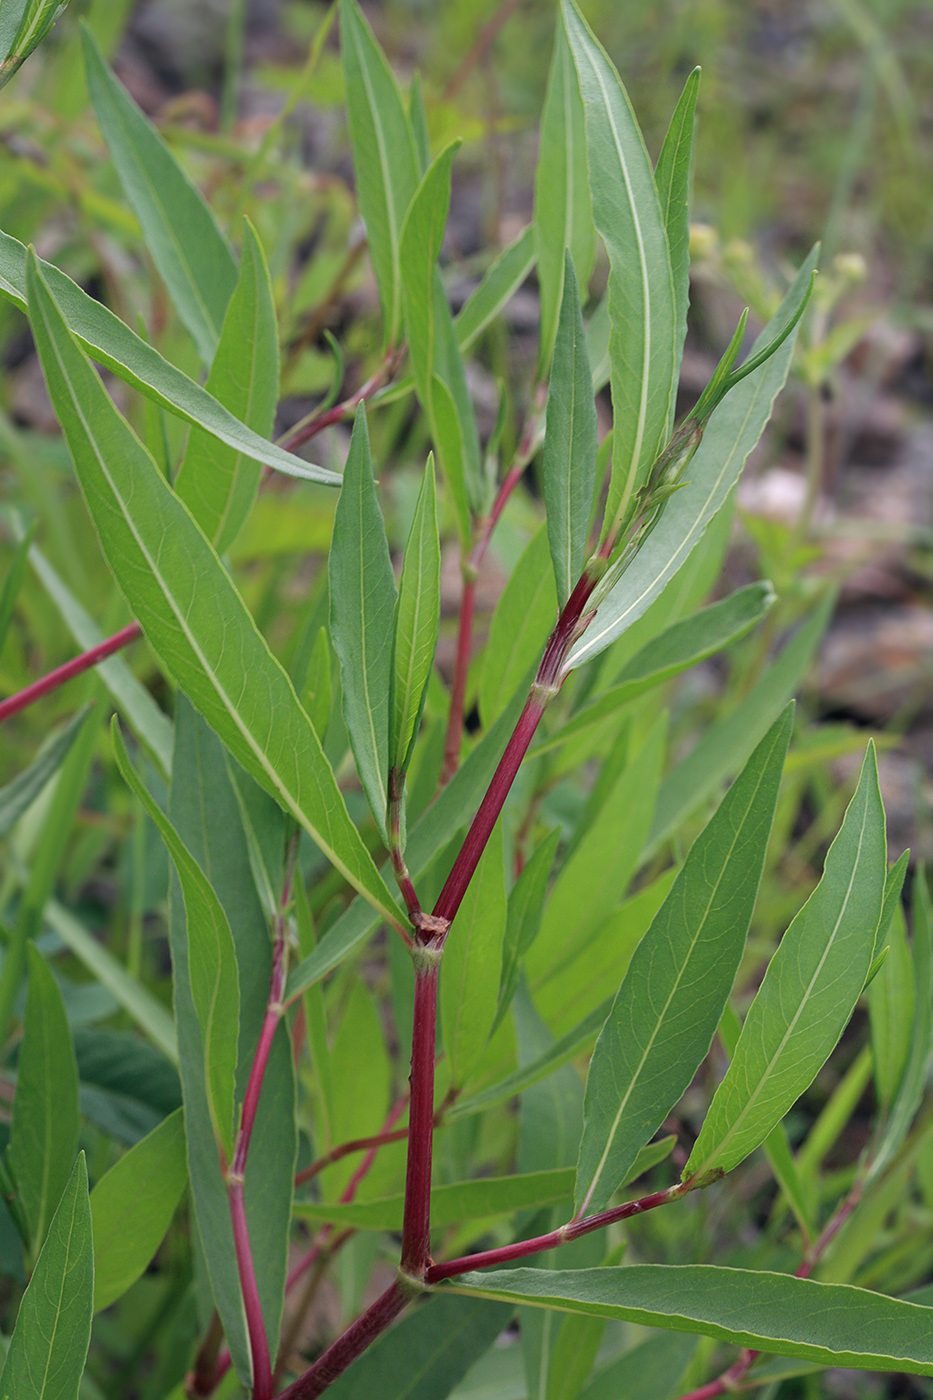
(135, 999)
(20, 793)
(651, 1370)
(569, 443)
(53, 1327)
(384, 160)
(563, 209)
(893, 885)
(216, 482)
(132, 1207)
(212, 965)
(189, 608)
(359, 1102)
(730, 434)
(23, 26)
(641, 296)
(678, 647)
(673, 994)
(14, 581)
(725, 745)
(499, 283)
(523, 919)
(362, 601)
(832, 1323)
(44, 1126)
(191, 254)
(426, 1354)
(151, 726)
(808, 993)
(472, 963)
(891, 1012)
(417, 618)
(524, 616)
(119, 349)
(672, 178)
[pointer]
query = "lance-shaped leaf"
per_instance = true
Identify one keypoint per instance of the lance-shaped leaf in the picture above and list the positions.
(217, 483)
(22, 791)
(472, 963)
(641, 295)
(132, 1207)
(384, 160)
(23, 26)
(435, 356)
(672, 177)
(732, 431)
(362, 601)
(570, 443)
(190, 609)
(44, 1126)
(526, 905)
(193, 258)
(673, 994)
(828, 1322)
(50, 1341)
(114, 345)
(417, 618)
(500, 281)
(891, 1012)
(808, 993)
(212, 966)
(563, 209)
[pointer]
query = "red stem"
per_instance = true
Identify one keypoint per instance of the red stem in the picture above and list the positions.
(315, 425)
(76, 667)
(345, 1149)
(255, 1324)
(273, 1015)
(347, 1348)
(416, 1222)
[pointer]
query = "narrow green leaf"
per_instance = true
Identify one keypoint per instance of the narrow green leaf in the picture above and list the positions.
(652, 1370)
(570, 443)
(891, 1012)
(20, 793)
(135, 999)
(11, 18)
(14, 581)
(499, 283)
(50, 1341)
(730, 434)
(523, 619)
(523, 920)
(151, 725)
(119, 349)
(217, 483)
(724, 746)
(672, 177)
(472, 963)
(193, 258)
(189, 608)
(362, 601)
(563, 209)
(893, 885)
(678, 647)
(384, 160)
(23, 26)
(417, 618)
(132, 1207)
(673, 994)
(359, 1101)
(316, 690)
(215, 985)
(808, 993)
(44, 1125)
(641, 296)
(833, 1323)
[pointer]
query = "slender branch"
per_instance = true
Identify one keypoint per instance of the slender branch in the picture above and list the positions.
(72, 668)
(345, 1149)
(255, 1323)
(416, 1222)
(521, 1249)
(316, 422)
(339, 1355)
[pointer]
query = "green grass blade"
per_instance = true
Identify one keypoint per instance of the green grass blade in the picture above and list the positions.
(672, 178)
(193, 258)
(569, 443)
(132, 1207)
(808, 993)
(50, 1341)
(217, 483)
(416, 623)
(362, 603)
(111, 343)
(14, 581)
(215, 983)
(731, 433)
(832, 1323)
(384, 159)
(22, 791)
(44, 1124)
(190, 609)
(563, 208)
(641, 295)
(673, 994)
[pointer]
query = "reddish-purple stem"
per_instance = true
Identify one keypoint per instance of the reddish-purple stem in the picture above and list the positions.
(521, 1249)
(346, 1149)
(416, 1220)
(341, 1353)
(76, 667)
(316, 424)
(255, 1324)
(257, 1072)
